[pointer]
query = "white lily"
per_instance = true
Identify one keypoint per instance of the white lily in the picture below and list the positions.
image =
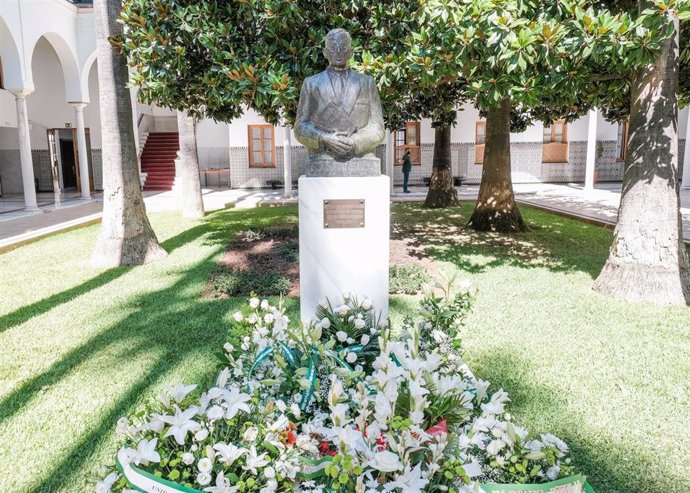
(254, 460)
(146, 452)
(222, 485)
(410, 481)
(236, 402)
(181, 423)
(229, 453)
(180, 391)
(104, 485)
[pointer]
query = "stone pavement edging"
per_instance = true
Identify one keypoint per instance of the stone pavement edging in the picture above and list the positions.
(29, 237)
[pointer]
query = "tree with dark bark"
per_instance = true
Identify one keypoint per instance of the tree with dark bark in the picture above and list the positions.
(126, 237)
(648, 261)
(496, 209)
(187, 168)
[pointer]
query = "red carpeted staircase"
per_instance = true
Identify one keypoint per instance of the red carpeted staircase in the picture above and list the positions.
(158, 160)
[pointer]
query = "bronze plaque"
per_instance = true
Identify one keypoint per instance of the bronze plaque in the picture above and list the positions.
(343, 213)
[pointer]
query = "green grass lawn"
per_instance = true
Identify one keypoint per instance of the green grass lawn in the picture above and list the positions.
(83, 347)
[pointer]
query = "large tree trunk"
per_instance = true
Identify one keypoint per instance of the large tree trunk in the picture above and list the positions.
(496, 209)
(442, 191)
(188, 168)
(648, 261)
(126, 237)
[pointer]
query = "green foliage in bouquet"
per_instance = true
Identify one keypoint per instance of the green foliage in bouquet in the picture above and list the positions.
(300, 409)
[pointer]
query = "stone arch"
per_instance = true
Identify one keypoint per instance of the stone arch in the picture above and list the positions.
(86, 73)
(12, 63)
(68, 63)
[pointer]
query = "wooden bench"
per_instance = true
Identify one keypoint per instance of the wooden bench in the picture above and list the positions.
(275, 184)
(457, 180)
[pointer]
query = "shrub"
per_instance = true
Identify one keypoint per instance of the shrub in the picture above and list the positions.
(234, 282)
(289, 252)
(408, 279)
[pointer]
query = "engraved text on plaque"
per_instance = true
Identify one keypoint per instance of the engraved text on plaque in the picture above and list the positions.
(343, 213)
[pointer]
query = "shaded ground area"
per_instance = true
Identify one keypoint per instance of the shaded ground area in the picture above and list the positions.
(264, 261)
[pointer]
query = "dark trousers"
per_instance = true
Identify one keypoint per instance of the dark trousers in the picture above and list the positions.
(406, 179)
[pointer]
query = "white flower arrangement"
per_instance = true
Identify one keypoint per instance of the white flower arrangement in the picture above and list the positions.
(291, 413)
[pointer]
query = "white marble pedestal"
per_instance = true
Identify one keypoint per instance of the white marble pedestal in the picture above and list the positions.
(332, 259)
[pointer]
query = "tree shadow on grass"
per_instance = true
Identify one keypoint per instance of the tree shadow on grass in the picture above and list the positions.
(217, 227)
(554, 242)
(174, 321)
(610, 467)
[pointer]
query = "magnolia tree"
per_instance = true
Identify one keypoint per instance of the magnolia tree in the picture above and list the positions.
(523, 61)
(215, 59)
(648, 260)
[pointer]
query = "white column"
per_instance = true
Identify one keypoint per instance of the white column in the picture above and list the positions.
(27, 164)
(686, 158)
(82, 152)
(591, 149)
(390, 157)
(287, 162)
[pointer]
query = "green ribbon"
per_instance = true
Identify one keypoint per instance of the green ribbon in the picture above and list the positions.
(571, 484)
(292, 360)
(318, 466)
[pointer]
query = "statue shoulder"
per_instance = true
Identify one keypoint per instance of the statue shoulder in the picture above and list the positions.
(313, 80)
(363, 79)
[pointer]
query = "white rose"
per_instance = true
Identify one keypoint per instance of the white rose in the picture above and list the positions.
(238, 316)
(365, 340)
(268, 318)
(269, 472)
(250, 434)
(386, 462)
(495, 447)
(214, 413)
(350, 340)
(205, 465)
(552, 472)
(254, 302)
(351, 357)
(203, 478)
(367, 304)
(201, 435)
(341, 336)
(264, 304)
(229, 348)
(359, 323)
(325, 323)
(251, 318)
(346, 295)
(188, 458)
(122, 426)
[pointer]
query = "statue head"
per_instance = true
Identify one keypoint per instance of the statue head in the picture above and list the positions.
(338, 48)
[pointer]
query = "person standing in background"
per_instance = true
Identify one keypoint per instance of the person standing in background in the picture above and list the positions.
(406, 169)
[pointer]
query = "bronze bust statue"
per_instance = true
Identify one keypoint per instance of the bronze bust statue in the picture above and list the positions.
(339, 114)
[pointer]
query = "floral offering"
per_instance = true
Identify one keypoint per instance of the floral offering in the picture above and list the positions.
(339, 404)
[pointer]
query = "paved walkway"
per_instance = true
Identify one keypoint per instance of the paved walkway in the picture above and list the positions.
(18, 227)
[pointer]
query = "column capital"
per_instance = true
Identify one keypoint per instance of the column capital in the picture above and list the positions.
(78, 105)
(21, 93)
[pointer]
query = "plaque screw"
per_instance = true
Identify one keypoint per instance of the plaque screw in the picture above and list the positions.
(361, 224)
(361, 201)
(325, 201)
(325, 225)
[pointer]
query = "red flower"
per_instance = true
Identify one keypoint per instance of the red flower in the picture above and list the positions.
(381, 442)
(290, 438)
(324, 447)
(438, 428)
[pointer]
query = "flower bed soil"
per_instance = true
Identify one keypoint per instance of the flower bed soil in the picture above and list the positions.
(267, 250)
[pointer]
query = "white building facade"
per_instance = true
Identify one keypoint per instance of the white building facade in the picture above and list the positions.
(50, 120)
